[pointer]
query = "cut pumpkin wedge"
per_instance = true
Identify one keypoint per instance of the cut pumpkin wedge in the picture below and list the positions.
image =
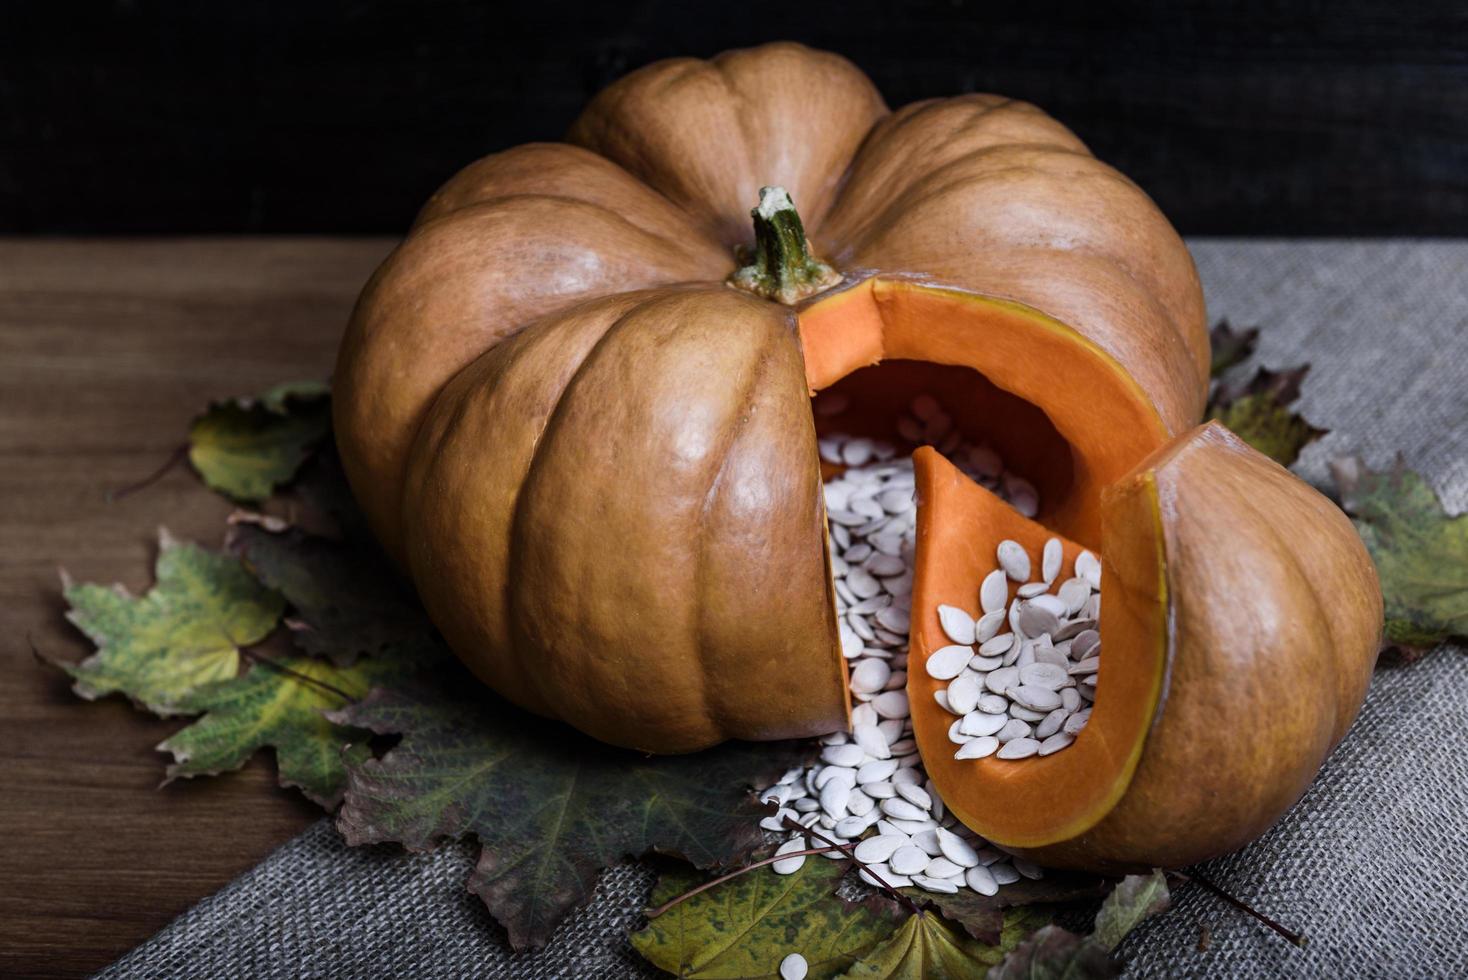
(1040, 800)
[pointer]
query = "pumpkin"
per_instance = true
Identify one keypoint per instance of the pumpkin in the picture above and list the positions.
(574, 404)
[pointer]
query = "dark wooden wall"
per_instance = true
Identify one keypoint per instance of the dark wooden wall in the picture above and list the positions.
(1344, 117)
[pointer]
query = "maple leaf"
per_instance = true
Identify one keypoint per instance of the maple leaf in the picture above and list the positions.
(346, 602)
(982, 916)
(246, 447)
(280, 704)
(550, 807)
(1230, 347)
(1259, 413)
(1058, 953)
(1420, 551)
(744, 927)
(185, 632)
(928, 947)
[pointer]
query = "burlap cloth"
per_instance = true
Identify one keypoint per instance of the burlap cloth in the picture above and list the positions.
(1372, 865)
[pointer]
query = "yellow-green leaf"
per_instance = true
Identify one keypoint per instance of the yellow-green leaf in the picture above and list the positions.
(246, 447)
(279, 704)
(928, 948)
(186, 632)
(746, 926)
(1420, 551)
(1138, 897)
(1054, 953)
(1260, 413)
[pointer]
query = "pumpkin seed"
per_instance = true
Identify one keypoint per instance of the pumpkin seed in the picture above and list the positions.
(1050, 559)
(996, 646)
(994, 592)
(957, 625)
(793, 967)
(877, 850)
(948, 662)
(977, 748)
(1036, 620)
(1027, 868)
(891, 704)
(1014, 560)
(1051, 723)
(875, 771)
(964, 693)
(869, 676)
(1088, 567)
(946, 886)
(915, 794)
(1013, 729)
(1055, 743)
(908, 859)
(994, 704)
(1031, 589)
(981, 880)
(789, 865)
(941, 867)
(979, 723)
(1004, 873)
(1076, 722)
(1019, 748)
(999, 681)
(1044, 675)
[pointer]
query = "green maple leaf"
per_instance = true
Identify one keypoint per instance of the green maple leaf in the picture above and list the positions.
(1230, 347)
(982, 916)
(928, 948)
(280, 704)
(186, 632)
(549, 807)
(345, 602)
(1260, 413)
(746, 926)
(1135, 899)
(1420, 551)
(246, 447)
(1054, 953)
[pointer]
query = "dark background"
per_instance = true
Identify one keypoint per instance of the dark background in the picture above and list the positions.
(341, 116)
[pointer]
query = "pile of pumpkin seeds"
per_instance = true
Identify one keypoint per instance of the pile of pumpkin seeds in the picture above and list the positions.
(1022, 676)
(869, 786)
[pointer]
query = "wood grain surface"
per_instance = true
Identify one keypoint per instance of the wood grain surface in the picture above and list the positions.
(106, 351)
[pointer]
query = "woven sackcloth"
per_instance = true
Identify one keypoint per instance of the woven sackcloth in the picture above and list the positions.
(1372, 865)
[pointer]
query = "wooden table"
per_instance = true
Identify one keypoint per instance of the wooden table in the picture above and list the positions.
(107, 349)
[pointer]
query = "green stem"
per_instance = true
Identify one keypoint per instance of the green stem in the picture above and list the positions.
(783, 268)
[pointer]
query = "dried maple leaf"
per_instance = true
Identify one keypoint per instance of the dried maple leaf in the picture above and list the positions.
(246, 447)
(185, 632)
(550, 807)
(1259, 412)
(1420, 551)
(1054, 952)
(926, 946)
(345, 602)
(744, 927)
(1230, 347)
(279, 704)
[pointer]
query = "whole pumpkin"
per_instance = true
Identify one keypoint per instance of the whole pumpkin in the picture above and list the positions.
(575, 405)
(597, 460)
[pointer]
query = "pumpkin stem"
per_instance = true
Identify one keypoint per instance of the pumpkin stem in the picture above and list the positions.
(783, 268)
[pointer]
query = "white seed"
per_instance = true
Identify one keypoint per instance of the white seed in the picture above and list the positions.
(1031, 589)
(859, 804)
(915, 794)
(946, 886)
(830, 450)
(793, 967)
(992, 704)
(777, 820)
(1051, 723)
(957, 625)
(1026, 714)
(894, 618)
(833, 798)
(928, 841)
(999, 681)
(880, 790)
(979, 748)
(964, 693)
(1033, 697)
(1035, 620)
(871, 741)
(1088, 666)
(983, 665)
(941, 867)
(1076, 722)
(1043, 675)
(1050, 559)
(843, 755)
(1004, 873)
(1019, 748)
(1055, 743)
(789, 865)
(885, 566)
(956, 849)
(994, 591)
(1028, 868)
(1084, 644)
(856, 452)
(869, 676)
(850, 642)
(941, 696)
(863, 584)
(1069, 700)
(903, 810)
(1074, 593)
(876, 850)
(1050, 604)
(980, 723)
(906, 776)
(1088, 567)
(988, 625)
(875, 772)
(888, 876)
(891, 704)
(997, 645)
(955, 732)
(908, 859)
(1013, 729)
(1014, 560)
(981, 880)
(948, 662)
(863, 714)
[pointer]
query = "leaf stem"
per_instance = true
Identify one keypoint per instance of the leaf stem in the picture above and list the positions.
(654, 913)
(174, 458)
(316, 682)
(850, 852)
(1289, 934)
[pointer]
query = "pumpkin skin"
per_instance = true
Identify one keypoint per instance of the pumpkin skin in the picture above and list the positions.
(1241, 619)
(541, 383)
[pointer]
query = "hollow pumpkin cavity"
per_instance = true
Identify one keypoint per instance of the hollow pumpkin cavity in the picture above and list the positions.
(1063, 413)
